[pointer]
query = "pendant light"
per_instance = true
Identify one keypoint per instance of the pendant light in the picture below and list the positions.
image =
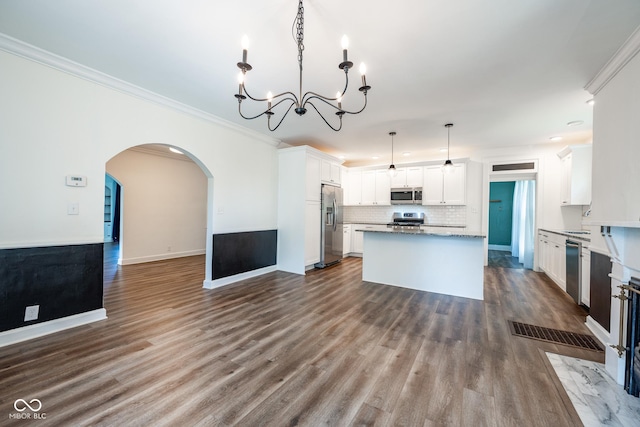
(392, 168)
(448, 165)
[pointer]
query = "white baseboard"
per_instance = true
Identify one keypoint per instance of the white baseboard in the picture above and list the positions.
(212, 284)
(25, 333)
(159, 257)
(601, 334)
(500, 248)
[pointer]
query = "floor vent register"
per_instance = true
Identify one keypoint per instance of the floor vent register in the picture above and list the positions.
(555, 336)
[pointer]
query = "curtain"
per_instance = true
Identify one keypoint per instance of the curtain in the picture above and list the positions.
(522, 235)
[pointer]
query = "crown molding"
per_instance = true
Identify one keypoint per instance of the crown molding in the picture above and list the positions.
(623, 55)
(41, 56)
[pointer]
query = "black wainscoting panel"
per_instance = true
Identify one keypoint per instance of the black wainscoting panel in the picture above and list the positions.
(62, 280)
(600, 290)
(235, 253)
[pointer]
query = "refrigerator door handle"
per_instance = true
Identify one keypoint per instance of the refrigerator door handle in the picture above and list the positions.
(335, 213)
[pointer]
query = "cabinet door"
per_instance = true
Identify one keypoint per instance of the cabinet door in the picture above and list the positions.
(415, 176)
(383, 188)
(433, 185)
(542, 252)
(400, 180)
(357, 240)
(312, 184)
(312, 233)
(369, 188)
(455, 185)
(335, 174)
(346, 239)
(354, 188)
(326, 171)
(565, 183)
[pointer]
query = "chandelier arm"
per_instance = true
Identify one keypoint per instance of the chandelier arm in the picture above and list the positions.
(247, 117)
(361, 110)
(295, 98)
(322, 117)
(285, 115)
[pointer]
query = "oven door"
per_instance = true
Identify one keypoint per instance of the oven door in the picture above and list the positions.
(401, 196)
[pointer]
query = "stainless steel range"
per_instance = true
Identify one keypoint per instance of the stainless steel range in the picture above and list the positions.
(406, 220)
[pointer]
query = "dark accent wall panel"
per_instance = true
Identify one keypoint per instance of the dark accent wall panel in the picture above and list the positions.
(62, 280)
(600, 290)
(235, 253)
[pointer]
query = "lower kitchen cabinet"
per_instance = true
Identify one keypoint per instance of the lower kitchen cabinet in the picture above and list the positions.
(312, 232)
(346, 239)
(586, 277)
(552, 257)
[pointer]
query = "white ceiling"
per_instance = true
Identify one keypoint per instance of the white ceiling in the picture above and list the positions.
(504, 72)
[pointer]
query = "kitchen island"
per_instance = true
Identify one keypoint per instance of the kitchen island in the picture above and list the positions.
(425, 259)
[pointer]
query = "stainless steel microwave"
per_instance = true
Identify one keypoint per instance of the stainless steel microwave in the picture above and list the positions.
(406, 196)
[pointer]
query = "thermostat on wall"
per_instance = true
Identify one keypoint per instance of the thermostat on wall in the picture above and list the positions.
(76, 181)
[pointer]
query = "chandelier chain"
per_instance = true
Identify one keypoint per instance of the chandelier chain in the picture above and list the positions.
(300, 32)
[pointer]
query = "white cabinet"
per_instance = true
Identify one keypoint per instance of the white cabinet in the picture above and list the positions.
(376, 188)
(331, 172)
(312, 217)
(552, 257)
(444, 188)
(576, 175)
(312, 179)
(408, 177)
(586, 277)
(354, 188)
(346, 238)
(299, 215)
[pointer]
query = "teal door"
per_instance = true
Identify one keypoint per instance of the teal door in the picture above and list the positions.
(500, 212)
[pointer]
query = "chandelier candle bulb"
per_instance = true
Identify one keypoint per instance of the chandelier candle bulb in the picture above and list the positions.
(269, 99)
(245, 45)
(240, 82)
(363, 71)
(345, 46)
(339, 99)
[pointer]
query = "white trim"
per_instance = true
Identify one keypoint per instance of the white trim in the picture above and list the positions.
(623, 55)
(159, 257)
(212, 284)
(600, 333)
(41, 56)
(46, 244)
(25, 333)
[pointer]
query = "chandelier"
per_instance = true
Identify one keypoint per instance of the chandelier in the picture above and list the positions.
(300, 102)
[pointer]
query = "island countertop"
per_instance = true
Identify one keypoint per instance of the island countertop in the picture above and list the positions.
(426, 231)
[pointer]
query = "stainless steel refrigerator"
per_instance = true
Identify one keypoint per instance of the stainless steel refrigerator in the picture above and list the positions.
(331, 232)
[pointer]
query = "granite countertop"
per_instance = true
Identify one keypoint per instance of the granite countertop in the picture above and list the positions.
(425, 231)
(574, 234)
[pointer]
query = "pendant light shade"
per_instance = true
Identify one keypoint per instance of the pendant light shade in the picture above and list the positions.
(448, 164)
(392, 168)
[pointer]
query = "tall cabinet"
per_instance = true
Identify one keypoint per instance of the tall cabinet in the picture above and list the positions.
(302, 170)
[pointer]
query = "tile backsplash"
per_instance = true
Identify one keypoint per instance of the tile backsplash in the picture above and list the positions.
(434, 215)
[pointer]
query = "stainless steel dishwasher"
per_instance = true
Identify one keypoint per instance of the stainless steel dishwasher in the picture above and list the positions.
(573, 278)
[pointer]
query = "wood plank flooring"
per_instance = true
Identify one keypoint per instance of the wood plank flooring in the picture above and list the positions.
(284, 350)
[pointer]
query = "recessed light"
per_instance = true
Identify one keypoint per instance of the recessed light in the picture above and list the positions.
(555, 138)
(375, 157)
(591, 101)
(575, 123)
(406, 153)
(175, 150)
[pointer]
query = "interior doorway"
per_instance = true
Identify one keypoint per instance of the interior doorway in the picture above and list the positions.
(112, 200)
(511, 242)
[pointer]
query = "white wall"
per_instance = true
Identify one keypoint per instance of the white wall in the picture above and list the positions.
(53, 124)
(164, 206)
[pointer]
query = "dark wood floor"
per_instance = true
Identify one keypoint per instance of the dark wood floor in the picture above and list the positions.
(503, 259)
(283, 349)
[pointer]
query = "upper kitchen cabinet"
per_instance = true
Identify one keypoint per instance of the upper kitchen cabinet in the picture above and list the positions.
(410, 177)
(616, 148)
(353, 188)
(376, 188)
(331, 172)
(576, 175)
(444, 188)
